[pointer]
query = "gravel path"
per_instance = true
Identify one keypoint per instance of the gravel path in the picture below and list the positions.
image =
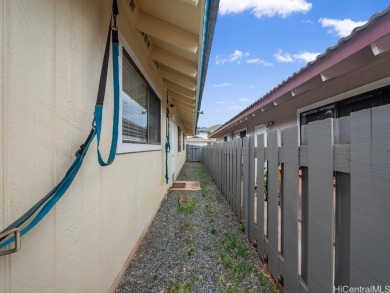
(195, 244)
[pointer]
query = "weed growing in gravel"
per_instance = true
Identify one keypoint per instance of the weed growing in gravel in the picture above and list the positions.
(233, 258)
(187, 206)
(214, 231)
(205, 192)
(241, 250)
(182, 288)
(210, 213)
(229, 289)
(231, 240)
(263, 279)
(242, 225)
(190, 251)
(187, 226)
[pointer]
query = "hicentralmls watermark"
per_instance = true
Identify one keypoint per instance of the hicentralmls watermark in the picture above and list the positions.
(362, 289)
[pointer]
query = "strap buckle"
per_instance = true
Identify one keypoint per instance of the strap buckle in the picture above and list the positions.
(17, 240)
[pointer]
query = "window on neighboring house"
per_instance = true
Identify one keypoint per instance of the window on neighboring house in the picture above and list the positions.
(343, 108)
(184, 141)
(179, 138)
(241, 134)
(141, 108)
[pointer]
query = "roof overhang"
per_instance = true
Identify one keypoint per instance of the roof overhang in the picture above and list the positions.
(364, 45)
(178, 34)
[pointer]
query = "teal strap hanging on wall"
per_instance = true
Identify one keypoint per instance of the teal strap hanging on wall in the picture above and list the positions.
(102, 87)
(43, 207)
(167, 143)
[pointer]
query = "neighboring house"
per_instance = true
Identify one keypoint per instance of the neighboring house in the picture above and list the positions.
(352, 75)
(206, 131)
(199, 140)
(52, 54)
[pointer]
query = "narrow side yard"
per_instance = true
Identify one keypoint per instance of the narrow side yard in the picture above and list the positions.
(195, 244)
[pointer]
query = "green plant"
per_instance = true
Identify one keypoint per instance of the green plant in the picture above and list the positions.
(190, 251)
(241, 250)
(214, 231)
(230, 289)
(263, 279)
(231, 240)
(187, 206)
(182, 288)
(242, 225)
(227, 261)
(186, 226)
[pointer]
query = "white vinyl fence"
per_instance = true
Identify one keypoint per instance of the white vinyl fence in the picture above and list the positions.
(324, 220)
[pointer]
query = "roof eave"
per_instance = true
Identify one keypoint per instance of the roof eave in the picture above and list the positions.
(209, 22)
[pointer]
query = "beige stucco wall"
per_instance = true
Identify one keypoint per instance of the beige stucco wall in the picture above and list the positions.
(49, 72)
(180, 160)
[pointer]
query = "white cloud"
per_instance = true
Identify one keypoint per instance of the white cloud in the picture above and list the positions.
(283, 57)
(264, 8)
(288, 57)
(220, 102)
(246, 100)
(252, 86)
(340, 27)
(306, 56)
(259, 61)
(236, 56)
(224, 84)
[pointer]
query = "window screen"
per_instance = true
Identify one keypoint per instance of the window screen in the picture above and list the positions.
(154, 118)
(141, 118)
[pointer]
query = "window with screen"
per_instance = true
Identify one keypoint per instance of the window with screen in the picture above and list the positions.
(141, 116)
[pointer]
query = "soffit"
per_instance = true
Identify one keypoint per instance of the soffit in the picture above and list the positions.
(173, 30)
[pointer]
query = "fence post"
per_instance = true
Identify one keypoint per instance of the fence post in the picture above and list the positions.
(239, 178)
(273, 209)
(251, 199)
(246, 151)
(320, 208)
(260, 195)
(370, 197)
(290, 209)
(341, 128)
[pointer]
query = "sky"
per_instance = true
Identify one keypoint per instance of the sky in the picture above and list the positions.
(259, 43)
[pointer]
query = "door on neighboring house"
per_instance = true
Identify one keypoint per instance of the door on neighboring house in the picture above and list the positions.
(173, 150)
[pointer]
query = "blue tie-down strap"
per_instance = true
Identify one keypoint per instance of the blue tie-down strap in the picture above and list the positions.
(99, 112)
(167, 150)
(43, 207)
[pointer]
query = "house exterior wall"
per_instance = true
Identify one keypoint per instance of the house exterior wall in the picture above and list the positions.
(50, 67)
(180, 160)
(369, 77)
